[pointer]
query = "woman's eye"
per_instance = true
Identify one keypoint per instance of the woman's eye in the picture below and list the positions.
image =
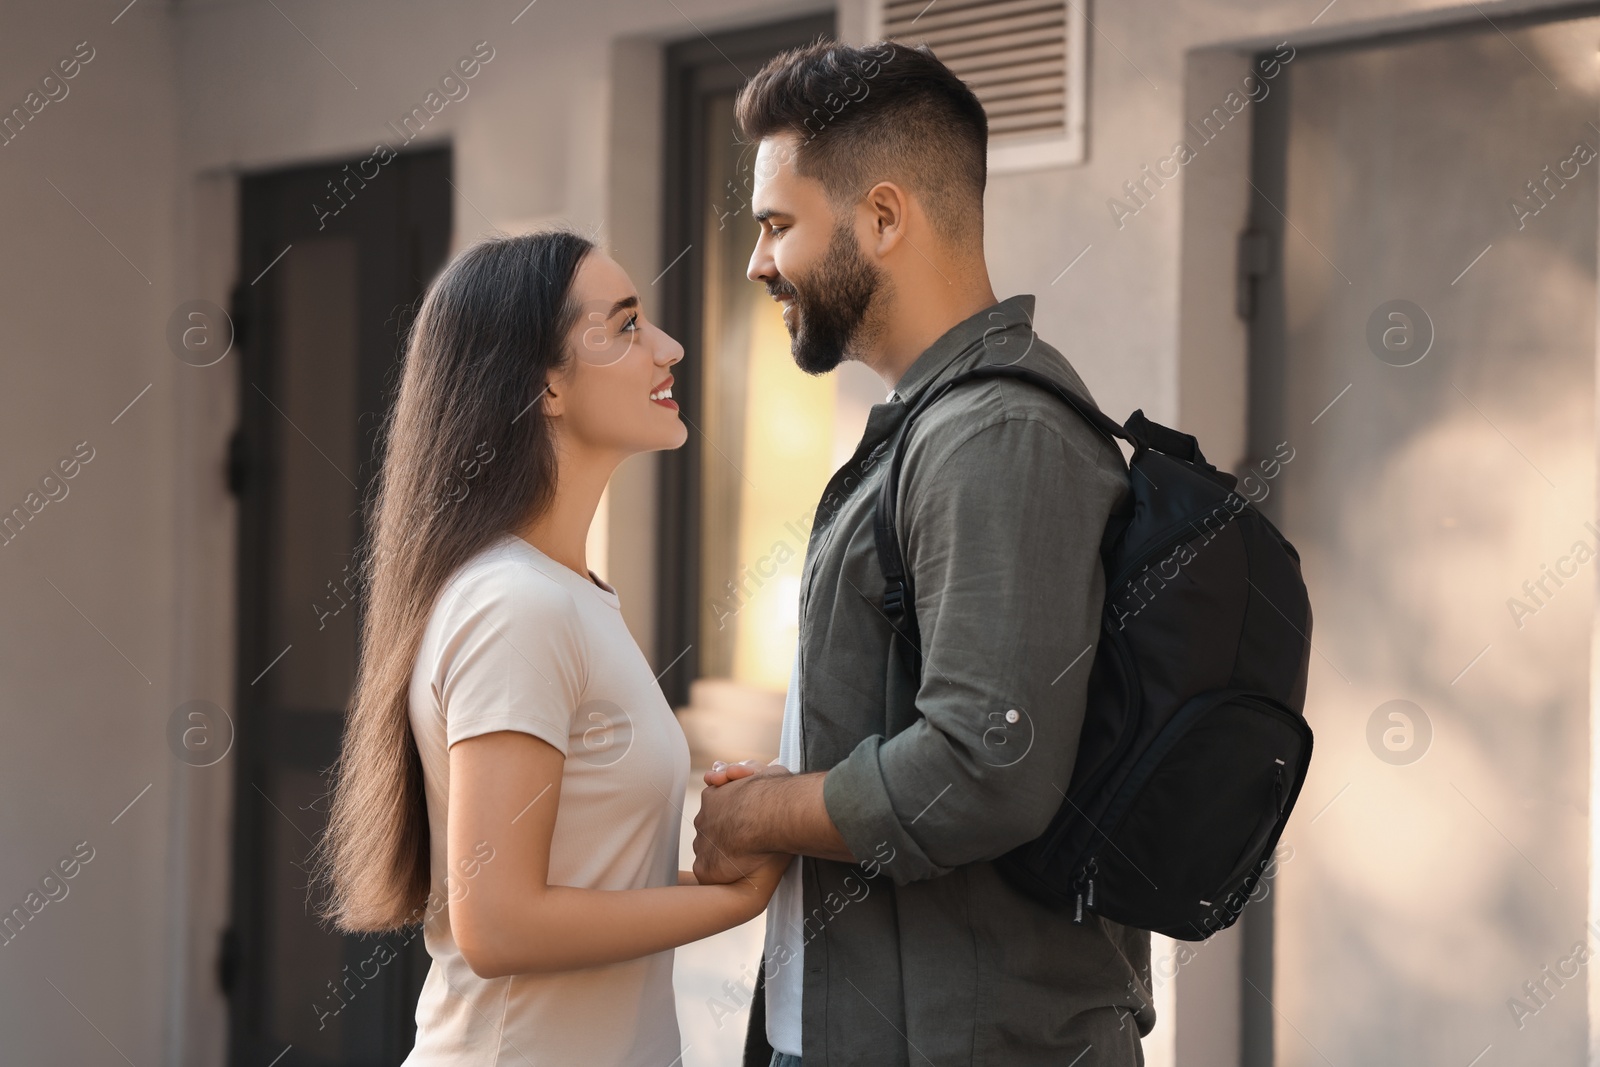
(632, 322)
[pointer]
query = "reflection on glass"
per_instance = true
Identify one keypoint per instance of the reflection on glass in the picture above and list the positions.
(1449, 796)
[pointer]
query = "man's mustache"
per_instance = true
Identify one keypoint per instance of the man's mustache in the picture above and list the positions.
(780, 289)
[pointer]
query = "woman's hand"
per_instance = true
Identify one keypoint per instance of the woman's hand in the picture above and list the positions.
(514, 921)
(762, 873)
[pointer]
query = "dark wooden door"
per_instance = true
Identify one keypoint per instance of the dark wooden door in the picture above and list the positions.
(333, 259)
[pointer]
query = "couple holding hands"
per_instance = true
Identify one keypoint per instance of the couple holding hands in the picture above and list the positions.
(489, 649)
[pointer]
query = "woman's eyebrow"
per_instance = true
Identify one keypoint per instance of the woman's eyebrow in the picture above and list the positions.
(622, 305)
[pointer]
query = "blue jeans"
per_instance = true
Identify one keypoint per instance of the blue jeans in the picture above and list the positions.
(783, 1059)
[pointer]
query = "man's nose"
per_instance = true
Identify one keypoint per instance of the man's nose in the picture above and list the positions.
(761, 267)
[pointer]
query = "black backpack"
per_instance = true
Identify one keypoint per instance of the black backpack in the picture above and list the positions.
(1194, 742)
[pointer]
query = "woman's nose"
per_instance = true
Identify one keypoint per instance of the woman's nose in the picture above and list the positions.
(669, 351)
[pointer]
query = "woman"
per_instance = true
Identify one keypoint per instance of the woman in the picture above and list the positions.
(511, 774)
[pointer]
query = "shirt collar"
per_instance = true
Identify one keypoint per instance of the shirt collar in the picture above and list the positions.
(960, 338)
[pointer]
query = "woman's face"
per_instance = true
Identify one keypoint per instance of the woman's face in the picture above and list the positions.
(614, 393)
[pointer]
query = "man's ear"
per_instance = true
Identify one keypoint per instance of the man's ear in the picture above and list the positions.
(888, 206)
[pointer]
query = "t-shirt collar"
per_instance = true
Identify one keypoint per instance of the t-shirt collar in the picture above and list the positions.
(564, 574)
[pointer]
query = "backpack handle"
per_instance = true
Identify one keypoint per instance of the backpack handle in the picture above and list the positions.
(898, 605)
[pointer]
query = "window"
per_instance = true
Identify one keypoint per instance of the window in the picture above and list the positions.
(738, 499)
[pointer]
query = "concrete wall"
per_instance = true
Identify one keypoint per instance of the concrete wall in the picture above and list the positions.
(121, 593)
(91, 206)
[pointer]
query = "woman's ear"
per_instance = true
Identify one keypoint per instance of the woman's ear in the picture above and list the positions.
(552, 400)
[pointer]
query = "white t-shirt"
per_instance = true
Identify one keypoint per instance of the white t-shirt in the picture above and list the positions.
(785, 911)
(784, 984)
(516, 641)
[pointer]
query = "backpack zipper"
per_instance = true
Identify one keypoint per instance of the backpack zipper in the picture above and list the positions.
(1084, 881)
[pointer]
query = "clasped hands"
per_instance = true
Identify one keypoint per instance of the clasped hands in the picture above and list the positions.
(728, 828)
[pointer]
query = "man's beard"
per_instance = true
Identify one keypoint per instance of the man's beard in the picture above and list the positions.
(830, 314)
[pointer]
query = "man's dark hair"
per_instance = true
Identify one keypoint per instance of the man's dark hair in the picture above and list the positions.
(884, 111)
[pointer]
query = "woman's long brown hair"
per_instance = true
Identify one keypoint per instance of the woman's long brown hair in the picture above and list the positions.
(488, 335)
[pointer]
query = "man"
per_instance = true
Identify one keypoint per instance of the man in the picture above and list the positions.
(894, 940)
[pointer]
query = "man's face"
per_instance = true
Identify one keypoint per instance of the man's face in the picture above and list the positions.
(811, 261)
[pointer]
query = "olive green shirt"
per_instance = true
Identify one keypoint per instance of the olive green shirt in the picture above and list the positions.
(922, 953)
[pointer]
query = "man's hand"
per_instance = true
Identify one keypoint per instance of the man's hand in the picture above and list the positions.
(728, 827)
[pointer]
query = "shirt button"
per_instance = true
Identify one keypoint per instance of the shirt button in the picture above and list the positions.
(1012, 715)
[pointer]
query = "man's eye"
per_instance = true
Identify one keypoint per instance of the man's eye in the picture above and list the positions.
(776, 230)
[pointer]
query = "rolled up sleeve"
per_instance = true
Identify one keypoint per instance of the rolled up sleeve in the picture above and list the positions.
(1001, 529)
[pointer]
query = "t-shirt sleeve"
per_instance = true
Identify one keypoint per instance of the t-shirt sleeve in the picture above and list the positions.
(512, 656)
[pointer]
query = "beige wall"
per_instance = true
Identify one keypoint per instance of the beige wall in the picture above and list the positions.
(120, 595)
(90, 650)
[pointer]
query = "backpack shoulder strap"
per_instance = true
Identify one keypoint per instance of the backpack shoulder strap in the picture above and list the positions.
(899, 606)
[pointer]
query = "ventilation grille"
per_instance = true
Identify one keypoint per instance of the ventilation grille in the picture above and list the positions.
(1012, 53)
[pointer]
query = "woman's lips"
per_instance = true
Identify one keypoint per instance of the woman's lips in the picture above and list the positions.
(664, 401)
